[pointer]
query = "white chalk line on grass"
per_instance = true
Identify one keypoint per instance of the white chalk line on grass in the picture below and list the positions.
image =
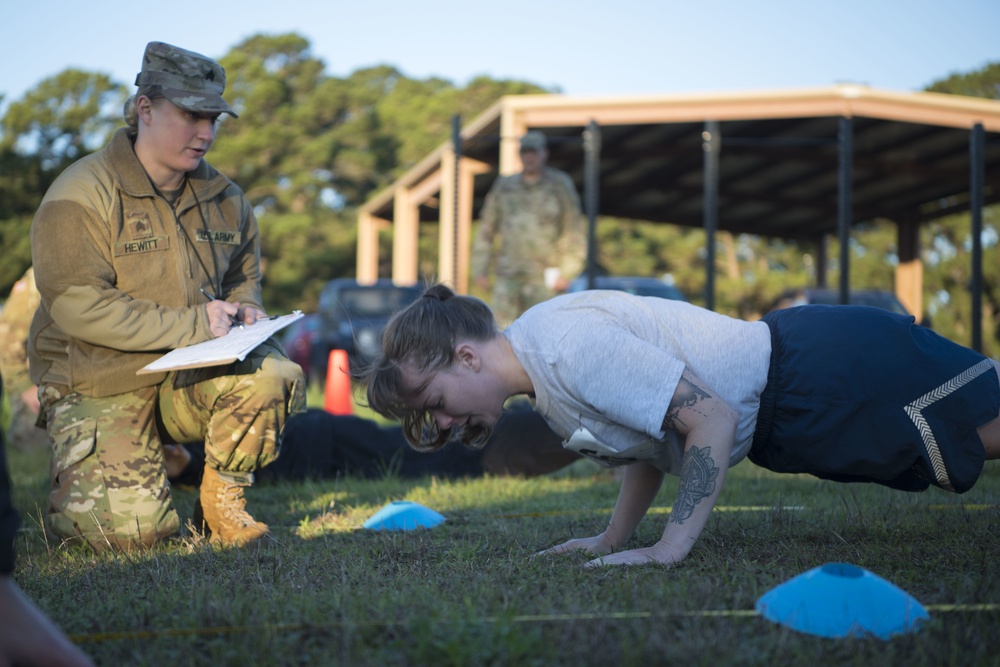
(651, 510)
(721, 508)
(95, 637)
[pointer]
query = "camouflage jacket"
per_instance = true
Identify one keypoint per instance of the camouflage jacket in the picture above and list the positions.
(119, 269)
(539, 225)
(14, 323)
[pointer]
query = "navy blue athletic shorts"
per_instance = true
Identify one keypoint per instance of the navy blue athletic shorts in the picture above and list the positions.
(859, 394)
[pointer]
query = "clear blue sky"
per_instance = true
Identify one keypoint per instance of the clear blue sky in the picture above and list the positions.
(585, 47)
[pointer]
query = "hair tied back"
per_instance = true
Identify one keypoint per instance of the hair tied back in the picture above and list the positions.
(439, 292)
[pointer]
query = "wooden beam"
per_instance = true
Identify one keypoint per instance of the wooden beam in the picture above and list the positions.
(846, 100)
(406, 227)
(368, 228)
(426, 190)
(512, 128)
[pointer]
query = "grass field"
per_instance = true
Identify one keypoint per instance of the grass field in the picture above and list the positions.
(470, 591)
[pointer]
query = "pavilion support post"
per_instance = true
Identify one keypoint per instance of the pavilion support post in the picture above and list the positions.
(448, 230)
(821, 261)
(711, 143)
(405, 232)
(512, 128)
(977, 160)
(910, 270)
(446, 221)
(463, 230)
(591, 190)
(845, 192)
(456, 142)
(367, 264)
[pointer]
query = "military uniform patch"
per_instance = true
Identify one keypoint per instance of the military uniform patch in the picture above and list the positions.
(139, 226)
(219, 236)
(142, 245)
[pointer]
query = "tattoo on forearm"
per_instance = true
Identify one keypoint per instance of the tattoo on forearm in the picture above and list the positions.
(698, 475)
(687, 396)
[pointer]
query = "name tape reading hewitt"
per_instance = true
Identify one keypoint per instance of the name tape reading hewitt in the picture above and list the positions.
(234, 346)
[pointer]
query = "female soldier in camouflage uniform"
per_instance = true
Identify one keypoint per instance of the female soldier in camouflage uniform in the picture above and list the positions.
(125, 244)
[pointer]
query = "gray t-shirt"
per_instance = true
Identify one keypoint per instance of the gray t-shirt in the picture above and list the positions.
(605, 364)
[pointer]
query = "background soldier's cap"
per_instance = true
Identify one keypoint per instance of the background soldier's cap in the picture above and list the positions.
(533, 140)
(190, 80)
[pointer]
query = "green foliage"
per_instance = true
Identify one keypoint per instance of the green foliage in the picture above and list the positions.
(65, 117)
(983, 82)
(268, 149)
(303, 134)
(315, 249)
(16, 243)
(750, 271)
(419, 113)
(56, 123)
(948, 276)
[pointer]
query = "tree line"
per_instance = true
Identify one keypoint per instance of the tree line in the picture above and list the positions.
(310, 147)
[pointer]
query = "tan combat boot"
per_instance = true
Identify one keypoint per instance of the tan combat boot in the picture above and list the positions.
(222, 510)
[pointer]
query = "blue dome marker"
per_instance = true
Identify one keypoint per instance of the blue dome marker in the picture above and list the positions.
(842, 600)
(403, 515)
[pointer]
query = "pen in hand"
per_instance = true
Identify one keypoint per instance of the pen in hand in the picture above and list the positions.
(233, 322)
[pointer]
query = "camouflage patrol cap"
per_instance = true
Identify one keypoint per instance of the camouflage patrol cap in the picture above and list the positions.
(533, 140)
(190, 80)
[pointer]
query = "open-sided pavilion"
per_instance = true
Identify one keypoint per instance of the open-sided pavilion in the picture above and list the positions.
(796, 164)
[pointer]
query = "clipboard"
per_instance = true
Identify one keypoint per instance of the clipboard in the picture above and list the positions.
(234, 346)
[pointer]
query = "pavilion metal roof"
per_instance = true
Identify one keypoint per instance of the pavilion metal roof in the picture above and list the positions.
(778, 163)
(796, 164)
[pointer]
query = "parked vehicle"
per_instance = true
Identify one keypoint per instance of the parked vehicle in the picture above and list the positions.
(353, 317)
(803, 296)
(638, 285)
(299, 340)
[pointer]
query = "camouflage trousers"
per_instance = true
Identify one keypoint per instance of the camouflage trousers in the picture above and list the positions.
(109, 486)
(512, 296)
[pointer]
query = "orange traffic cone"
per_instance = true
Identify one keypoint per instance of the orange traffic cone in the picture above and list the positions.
(338, 399)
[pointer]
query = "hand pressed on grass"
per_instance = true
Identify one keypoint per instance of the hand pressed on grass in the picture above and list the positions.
(598, 544)
(661, 552)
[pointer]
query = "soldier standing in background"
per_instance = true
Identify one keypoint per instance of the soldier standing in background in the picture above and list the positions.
(543, 243)
(21, 391)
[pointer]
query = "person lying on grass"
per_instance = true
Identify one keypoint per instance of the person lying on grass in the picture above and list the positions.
(842, 392)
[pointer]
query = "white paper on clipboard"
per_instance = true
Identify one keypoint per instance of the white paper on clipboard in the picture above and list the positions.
(234, 346)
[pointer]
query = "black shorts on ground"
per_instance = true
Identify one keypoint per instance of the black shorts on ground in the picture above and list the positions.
(318, 445)
(859, 394)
